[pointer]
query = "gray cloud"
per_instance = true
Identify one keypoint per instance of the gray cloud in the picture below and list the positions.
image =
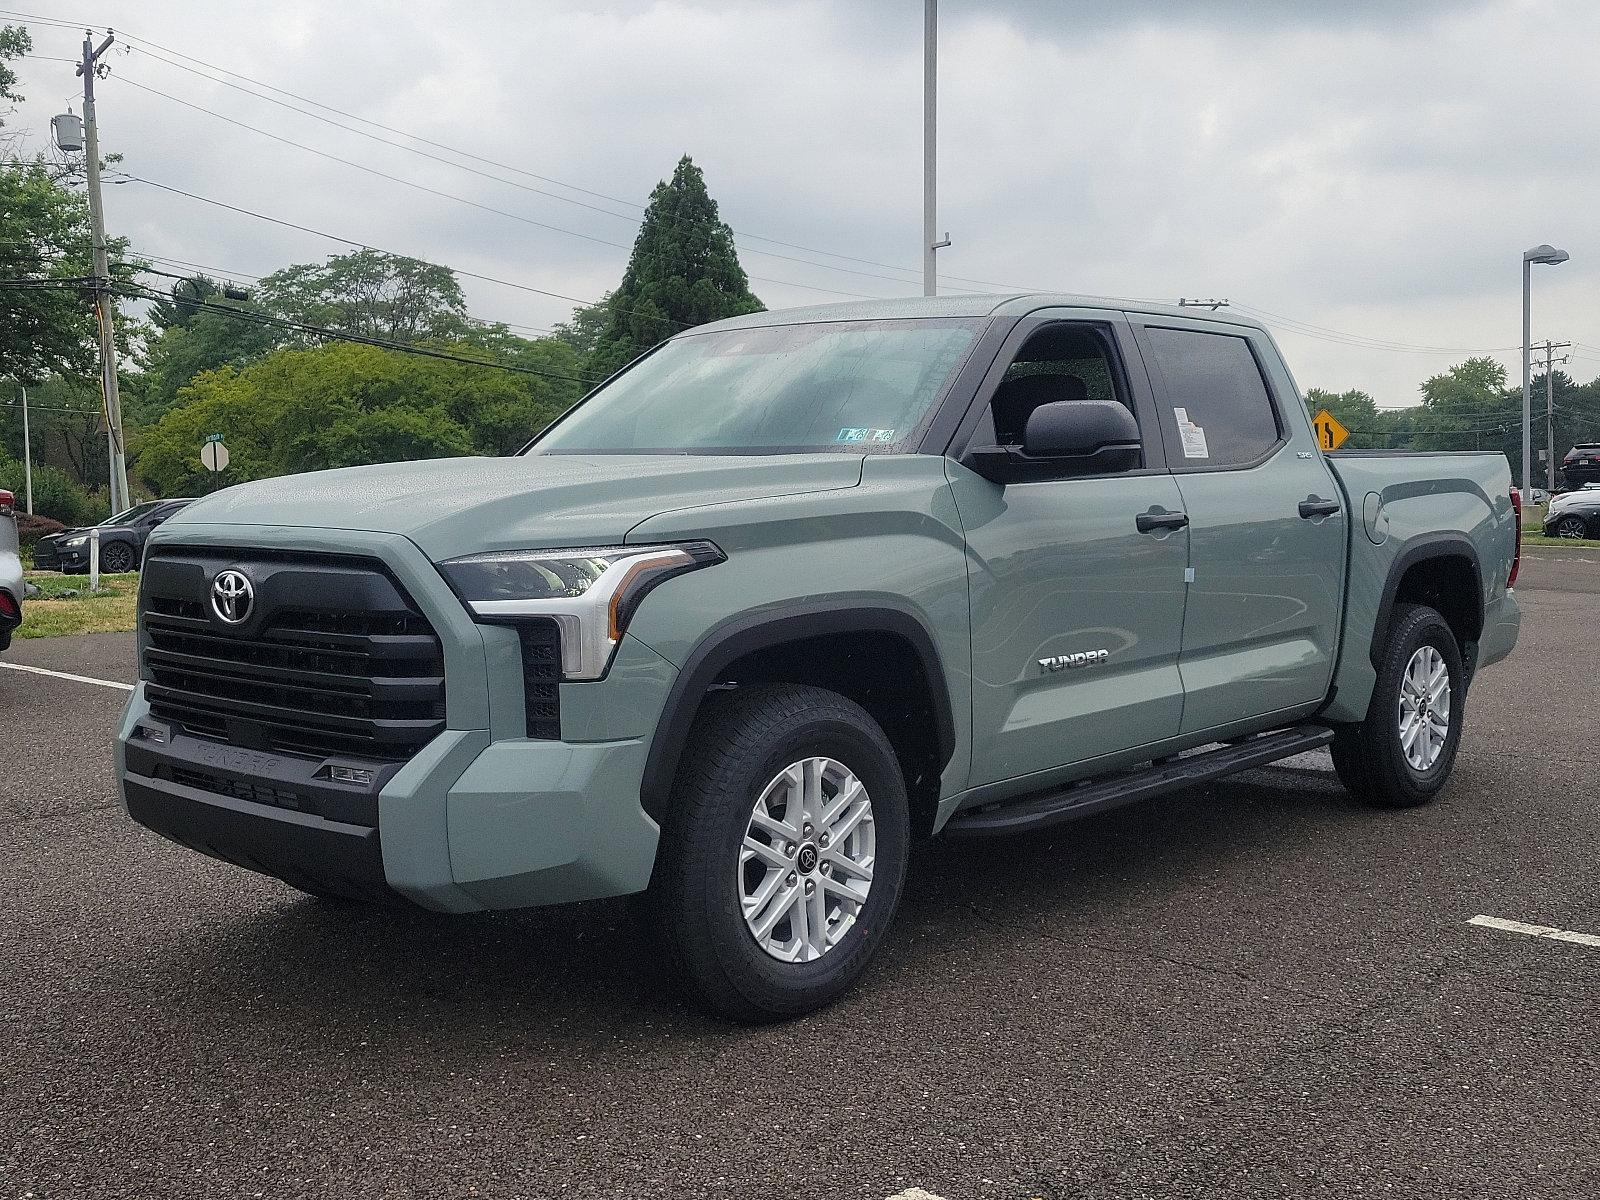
(1369, 167)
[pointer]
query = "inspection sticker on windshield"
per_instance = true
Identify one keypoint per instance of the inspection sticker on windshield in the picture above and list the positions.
(865, 435)
(1193, 436)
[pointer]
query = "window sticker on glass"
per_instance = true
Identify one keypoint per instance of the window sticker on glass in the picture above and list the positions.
(1193, 436)
(865, 435)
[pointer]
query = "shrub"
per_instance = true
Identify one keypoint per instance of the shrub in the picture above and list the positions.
(31, 527)
(58, 496)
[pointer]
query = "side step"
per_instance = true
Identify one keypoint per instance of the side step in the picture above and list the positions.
(1096, 795)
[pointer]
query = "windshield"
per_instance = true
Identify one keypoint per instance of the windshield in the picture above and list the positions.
(129, 516)
(839, 385)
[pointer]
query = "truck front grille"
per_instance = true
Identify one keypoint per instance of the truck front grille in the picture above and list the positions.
(333, 657)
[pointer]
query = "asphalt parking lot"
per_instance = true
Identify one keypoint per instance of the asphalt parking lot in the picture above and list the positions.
(1254, 988)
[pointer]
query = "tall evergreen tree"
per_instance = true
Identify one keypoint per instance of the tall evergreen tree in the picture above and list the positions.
(684, 271)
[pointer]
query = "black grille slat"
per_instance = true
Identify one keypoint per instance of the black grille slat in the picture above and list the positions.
(333, 659)
(541, 677)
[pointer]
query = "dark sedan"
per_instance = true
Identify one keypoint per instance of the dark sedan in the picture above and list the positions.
(1575, 515)
(121, 540)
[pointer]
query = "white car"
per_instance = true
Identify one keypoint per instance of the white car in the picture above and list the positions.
(10, 570)
(1562, 499)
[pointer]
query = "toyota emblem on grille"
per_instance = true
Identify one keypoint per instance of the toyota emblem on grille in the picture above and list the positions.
(232, 595)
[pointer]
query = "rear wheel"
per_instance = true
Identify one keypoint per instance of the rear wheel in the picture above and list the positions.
(784, 856)
(1403, 753)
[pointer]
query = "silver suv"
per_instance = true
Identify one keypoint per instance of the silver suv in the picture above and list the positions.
(10, 570)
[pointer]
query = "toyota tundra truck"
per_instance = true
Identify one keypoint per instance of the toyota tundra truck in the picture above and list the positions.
(793, 590)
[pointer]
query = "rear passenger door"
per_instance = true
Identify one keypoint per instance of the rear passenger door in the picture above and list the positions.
(1266, 527)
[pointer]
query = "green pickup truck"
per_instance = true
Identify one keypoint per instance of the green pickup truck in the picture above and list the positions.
(793, 590)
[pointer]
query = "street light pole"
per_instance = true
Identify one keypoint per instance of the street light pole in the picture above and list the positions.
(27, 455)
(930, 144)
(1549, 256)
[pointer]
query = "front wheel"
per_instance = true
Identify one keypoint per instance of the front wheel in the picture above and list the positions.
(1402, 754)
(1574, 528)
(116, 558)
(784, 855)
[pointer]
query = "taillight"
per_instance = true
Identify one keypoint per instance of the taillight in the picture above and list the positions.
(8, 504)
(1516, 558)
(8, 606)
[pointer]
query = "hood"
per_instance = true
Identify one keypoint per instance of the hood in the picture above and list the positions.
(455, 506)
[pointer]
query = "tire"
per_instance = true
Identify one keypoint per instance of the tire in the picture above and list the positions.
(743, 751)
(1572, 527)
(1372, 758)
(116, 558)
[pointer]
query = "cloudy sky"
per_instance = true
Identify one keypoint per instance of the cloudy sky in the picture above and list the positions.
(1362, 174)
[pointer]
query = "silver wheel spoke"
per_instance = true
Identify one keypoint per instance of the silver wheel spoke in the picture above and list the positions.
(804, 870)
(846, 889)
(773, 827)
(767, 854)
(762, 924)
(1424, 710)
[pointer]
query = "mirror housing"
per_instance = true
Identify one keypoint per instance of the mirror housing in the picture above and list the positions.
(1064, 438)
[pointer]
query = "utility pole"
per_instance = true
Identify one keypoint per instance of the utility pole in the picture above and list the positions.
(103, 305)
(931, 242)
(1550, 360)
(27, 454)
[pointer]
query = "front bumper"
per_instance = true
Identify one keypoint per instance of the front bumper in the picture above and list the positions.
(56, 557)
(482, 817)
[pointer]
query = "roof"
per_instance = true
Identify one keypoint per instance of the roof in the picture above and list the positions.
(982, 304)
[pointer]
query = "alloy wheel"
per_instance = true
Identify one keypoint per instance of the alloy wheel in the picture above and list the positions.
(1424, 708)
(805, 866)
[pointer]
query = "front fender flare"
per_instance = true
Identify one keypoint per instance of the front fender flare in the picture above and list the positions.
(773, 626)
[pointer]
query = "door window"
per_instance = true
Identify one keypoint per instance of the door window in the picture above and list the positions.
(1058, 362)
(1217, 411)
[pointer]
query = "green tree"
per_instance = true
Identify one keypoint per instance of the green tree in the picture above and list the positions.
(46, 321)
(684, 270)
(15, 41)
(346, 404)
(583, 330)
(193, 343)
(371, 293)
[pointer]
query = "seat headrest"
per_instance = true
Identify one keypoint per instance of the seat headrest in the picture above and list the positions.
(1034, 390)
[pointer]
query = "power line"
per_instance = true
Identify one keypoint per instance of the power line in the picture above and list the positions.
(334, 237)
(421, 187)
(141, 292)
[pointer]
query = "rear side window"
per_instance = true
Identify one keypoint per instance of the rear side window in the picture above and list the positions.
(1217, 412)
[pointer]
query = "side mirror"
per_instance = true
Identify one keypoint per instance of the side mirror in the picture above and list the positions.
(1063, 438)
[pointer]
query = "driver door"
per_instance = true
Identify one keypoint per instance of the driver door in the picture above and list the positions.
(1076, 603)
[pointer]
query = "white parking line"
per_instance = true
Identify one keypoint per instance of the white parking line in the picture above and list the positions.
(1540, 931)
(110, 683)
(915, 1194)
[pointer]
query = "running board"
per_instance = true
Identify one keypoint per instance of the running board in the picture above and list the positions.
(1096, 795)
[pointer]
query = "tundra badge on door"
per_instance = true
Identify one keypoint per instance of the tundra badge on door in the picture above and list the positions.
(1083, 658)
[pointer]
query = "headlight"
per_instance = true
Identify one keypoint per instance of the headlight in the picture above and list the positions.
(75, 542)
(591, 592)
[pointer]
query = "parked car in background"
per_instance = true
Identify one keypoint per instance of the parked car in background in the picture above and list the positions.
(1574, 515)
(121, 540)
(10, 570)
(1582, 464)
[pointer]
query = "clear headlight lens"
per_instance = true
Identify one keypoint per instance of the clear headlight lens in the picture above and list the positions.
(75, 542)
(591, 592)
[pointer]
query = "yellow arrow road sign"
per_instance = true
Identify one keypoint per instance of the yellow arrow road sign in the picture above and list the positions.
(1330, 434)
